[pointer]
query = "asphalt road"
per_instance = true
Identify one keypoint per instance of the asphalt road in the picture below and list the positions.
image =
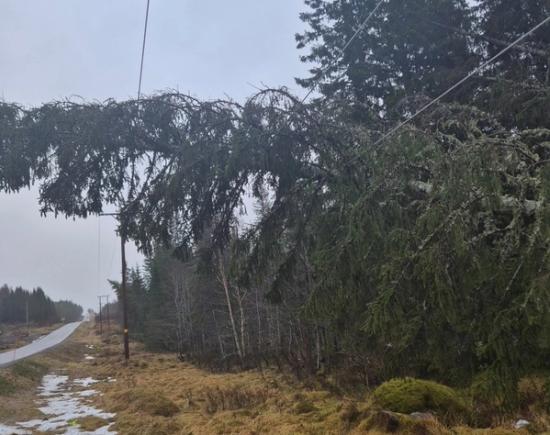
(44, 343)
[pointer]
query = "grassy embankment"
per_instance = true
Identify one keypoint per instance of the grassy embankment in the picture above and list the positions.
(157, 394)
(14, 336)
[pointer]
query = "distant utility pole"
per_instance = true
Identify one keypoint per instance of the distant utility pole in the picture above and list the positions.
(108, 315)
(100, 319)
(123, 293)
(101, 314)
(27, 314)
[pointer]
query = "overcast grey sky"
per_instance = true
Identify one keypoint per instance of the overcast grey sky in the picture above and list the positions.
(56, 49)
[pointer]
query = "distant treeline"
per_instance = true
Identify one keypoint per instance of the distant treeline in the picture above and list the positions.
(16, 304)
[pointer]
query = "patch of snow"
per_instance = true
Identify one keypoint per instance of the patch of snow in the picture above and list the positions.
(51, 384)
(62, 404)
(105, 430)
(88, 357)
(520, 424)
(85, 382)
(8, 430)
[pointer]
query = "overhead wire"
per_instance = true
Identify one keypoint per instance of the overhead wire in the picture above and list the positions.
(487, 38)
(461, 81)
(346, 46)
(311, 90)
(143, 49)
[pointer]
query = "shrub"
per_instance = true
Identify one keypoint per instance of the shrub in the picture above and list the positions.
(410, 395)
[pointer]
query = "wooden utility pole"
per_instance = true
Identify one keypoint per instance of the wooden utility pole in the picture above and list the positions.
(100, 318)
(123, 292)
(123, 295)
(101, 313)
(108, 315)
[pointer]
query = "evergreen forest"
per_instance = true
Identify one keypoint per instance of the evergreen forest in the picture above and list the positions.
(19, 306)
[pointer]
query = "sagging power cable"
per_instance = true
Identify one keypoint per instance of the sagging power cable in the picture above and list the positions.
(461, 81)
(143, 49)
(345, 47)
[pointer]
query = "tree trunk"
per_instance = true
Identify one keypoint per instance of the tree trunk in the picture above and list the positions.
(225, 284)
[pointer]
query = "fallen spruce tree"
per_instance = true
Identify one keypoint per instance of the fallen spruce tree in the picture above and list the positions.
(425, 255)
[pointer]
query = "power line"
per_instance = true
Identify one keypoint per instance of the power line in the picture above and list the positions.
(424, 108)
(487, 38)
(460, 82)
(143, 49)
(342, 51)
(347, 45)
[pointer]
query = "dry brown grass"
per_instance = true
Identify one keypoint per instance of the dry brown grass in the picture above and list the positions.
(91, 423)
(249, 402)
(158, 395)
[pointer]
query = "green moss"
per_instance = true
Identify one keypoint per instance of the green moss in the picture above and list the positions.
(415, 395)
(6, 387)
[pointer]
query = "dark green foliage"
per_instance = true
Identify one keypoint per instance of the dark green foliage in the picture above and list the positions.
(506, 20)
(406, 49)
(137, 302)
(159, 320)
(517, 86)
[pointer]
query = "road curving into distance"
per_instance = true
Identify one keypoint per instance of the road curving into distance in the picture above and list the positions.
(43, 343)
